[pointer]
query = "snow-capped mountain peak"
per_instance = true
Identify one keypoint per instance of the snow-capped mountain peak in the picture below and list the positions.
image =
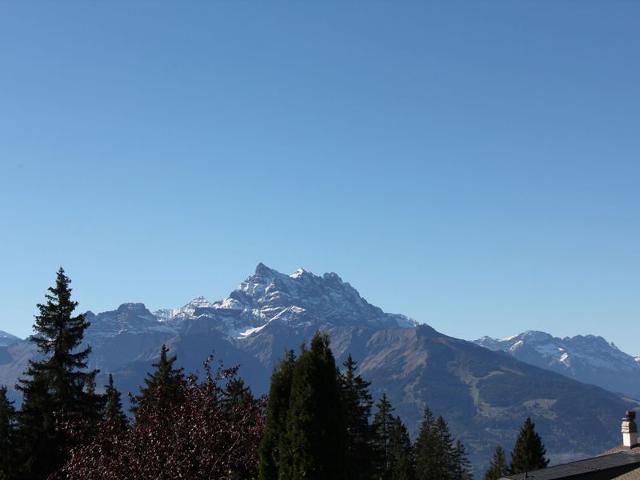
(298, 273)
(588, 358)
(300, 298)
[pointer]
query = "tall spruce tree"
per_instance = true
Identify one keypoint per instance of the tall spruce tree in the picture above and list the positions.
(528, 453)
(7, 436)
(57, 386)
(382, 425)
(357, 402)
(401, 452)
(237, 392)
(434, 450)
(273, 439)
(444, 461)
(461, 465)
(424, 448)
(162, 388)
(113, 413)
(316, 433)
(498, 467)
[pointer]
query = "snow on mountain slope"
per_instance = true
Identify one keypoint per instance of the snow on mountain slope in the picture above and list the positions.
(270, 296)
(7, 339)
(587, 358)
(301, 298)
(127, 318)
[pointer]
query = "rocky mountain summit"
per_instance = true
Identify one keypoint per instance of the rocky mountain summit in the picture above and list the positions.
(300, 299)
(586, 358)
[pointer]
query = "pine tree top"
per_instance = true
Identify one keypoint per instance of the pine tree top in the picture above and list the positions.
(498, 467)
(163, 386)
(113, 408)
(529, 452)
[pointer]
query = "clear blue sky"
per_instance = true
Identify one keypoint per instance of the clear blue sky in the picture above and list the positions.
(475, 165)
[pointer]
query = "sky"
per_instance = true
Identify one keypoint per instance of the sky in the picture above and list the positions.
(474, 165)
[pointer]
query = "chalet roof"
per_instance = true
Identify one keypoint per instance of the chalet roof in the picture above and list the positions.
(611, 465)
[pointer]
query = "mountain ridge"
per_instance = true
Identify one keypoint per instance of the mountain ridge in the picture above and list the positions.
(483, 394)
(587, 358)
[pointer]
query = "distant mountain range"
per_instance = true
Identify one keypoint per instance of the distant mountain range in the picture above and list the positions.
(587, 358)
(484, 394)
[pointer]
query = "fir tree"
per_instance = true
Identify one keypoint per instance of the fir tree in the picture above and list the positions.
(357, 402)
(382, 425)
(162, 388)
(498, 467)
(401, 452)
(92, 412)
(57, 388)
(461, 465)
(237, 392)
(434, 451)
(7, 436)
(528, 453)
(444, 463)
(273, 439)
(113, 407)
(424, 448)
(316, 433)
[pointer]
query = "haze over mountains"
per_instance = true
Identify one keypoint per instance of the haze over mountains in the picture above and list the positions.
(483, 394)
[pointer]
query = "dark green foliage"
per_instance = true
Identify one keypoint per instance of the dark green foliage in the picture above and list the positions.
(59, 401)
(436, 456)
(357, 402)
(93, 412)
(498, 467)
(392, 452)
(528, 453)
(424, 448)
(382, 425)
(113, 407)
(400, 451)
(238, 393)
(7, 436)
(461, 463)
(277, 407)
(162, 387)
(443, 458)
(316, 433)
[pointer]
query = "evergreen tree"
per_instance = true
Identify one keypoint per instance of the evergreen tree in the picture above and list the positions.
(273, 439)
(162, 388)
(237, 392)
(382, 424)
(113, 407)
(461, 464)
(92, 413)
(424, 448)
(528, 453)
(498, 467)
(7, 436)
(357, 402)
(444, 463)
(400, 450)
(434, 451)
(316, 433)
(57, 396)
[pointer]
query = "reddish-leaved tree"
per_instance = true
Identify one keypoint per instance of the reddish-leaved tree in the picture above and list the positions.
(212, 432)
